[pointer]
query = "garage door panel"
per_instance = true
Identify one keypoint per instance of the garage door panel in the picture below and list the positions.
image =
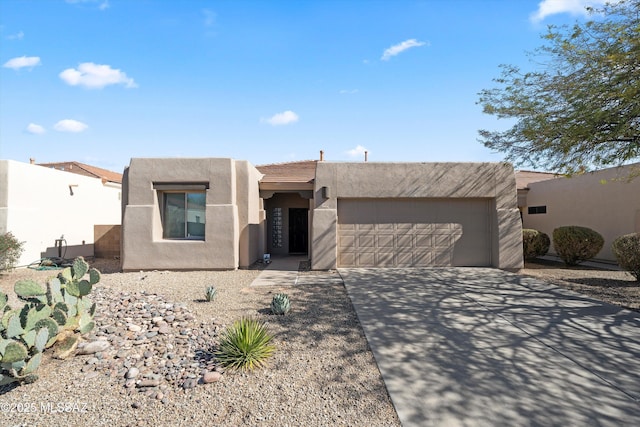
(366, 259)
(366, 242)
(442, 258)
(423, 241)
(386, 240)
(408, 232)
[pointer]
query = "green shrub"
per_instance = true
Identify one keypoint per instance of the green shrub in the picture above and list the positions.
(10, 251)
(627, 251)
(245, 345)
(534, 243)
(575, 244)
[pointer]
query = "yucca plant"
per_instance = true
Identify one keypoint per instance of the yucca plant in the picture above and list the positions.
(210, 293)
(280, 304)
(245, 345)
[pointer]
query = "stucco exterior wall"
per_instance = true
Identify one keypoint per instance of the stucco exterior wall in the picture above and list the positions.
(493, 181)
(39, 205)
(604, 201)
(232, 215)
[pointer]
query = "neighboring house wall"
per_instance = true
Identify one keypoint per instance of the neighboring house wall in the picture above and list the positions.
(605, 201)
(423, 183)
(233, 214)
(39, 205)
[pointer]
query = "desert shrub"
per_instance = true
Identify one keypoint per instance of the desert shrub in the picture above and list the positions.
(575, 244)
(534, 243)
(627, 251)
(10, 251)
(245, 345)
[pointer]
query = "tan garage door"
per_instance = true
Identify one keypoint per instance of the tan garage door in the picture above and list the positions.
(414, 232)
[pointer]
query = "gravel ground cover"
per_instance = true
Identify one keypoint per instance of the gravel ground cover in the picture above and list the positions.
(612, 286)
(160, 333)
(158, 371)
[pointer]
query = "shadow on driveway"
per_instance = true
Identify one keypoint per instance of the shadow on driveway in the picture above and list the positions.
(483, 347)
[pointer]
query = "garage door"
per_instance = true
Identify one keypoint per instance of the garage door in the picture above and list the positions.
(414, 232)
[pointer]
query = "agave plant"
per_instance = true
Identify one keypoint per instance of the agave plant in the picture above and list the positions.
(280, 304)
(210, 293)
(245, 345)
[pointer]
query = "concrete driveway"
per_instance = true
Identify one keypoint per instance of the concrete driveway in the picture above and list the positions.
(483, 347)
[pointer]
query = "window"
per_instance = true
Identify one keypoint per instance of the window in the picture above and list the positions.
(532, 210)
(276, 233)
(183, 215)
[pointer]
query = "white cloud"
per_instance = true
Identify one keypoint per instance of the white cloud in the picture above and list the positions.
(401, 47)
(573, 7)
(69, 125)
(35, 129)
(102, 6)
(348, 91)
(209, 17)
(283, 118)
(357, 152)
(22, 62)
(95, 76)
(16, 36)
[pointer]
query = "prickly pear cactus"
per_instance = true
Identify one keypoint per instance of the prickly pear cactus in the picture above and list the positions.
(210, 293)
(59, 313)
(280, 304)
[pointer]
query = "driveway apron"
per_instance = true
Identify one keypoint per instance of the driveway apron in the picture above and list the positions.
(484, 347)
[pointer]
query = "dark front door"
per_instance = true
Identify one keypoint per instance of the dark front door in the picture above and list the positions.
(298, 230)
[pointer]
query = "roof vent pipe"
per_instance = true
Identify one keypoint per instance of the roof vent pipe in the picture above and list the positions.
(321, 155)
(366, 155)
(32, 161)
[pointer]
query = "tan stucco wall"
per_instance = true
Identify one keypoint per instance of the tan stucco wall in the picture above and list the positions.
(604, 201)
(37, 206)
(233, 212)
(494, 181)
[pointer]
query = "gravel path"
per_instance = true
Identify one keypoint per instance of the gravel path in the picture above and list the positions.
(157, 329)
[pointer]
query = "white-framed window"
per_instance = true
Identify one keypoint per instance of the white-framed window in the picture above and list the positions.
(182, 209)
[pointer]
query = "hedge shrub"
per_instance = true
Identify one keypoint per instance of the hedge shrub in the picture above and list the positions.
(534, 243)
(575, 244)
(627, 251)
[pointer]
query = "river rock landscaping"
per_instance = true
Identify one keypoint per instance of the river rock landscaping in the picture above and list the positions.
(149, 361)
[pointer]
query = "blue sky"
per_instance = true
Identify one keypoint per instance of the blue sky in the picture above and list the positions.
(101, 81)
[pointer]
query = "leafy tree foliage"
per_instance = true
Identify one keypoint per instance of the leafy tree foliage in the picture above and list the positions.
(580, 107)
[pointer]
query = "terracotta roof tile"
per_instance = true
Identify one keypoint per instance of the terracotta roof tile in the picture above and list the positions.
(524, 178)
(86, 170)
(302, 171)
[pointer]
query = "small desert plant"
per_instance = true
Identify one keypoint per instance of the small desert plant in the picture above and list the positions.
(245, 345)
(534, 243)
(280, 304)
(210, 293)
(10, 251)
(575, 244)
(627, 251)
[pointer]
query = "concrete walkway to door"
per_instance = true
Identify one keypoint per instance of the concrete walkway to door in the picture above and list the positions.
(483, 347)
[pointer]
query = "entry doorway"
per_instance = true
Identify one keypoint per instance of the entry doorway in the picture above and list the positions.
(298, 230)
